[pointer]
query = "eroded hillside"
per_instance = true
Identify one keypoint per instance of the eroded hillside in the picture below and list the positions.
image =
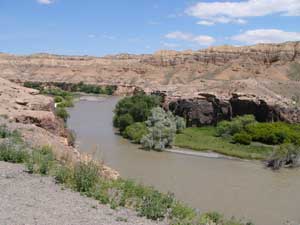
(266, 61)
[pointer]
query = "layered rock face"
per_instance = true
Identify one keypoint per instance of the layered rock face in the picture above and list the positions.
(268, 61)
(202, 85)
(214, 101)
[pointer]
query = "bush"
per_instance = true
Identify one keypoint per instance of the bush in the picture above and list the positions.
(85, 176)
(33, 85)
(180, 124)
(62, 113)
(155, 205)
(209, 217)
(135, 132)
(58, 99)
(242, 138)
(63, 175)
(10, 151)
(41, 160)
(237, 125)
(284, 155)
(138, 107)
(125, 121)
(162, 128)
(271, 133)
(4, 132)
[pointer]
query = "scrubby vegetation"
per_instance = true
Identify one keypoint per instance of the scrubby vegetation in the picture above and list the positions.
(237, 125)
(136, 131)
(275, 133)
(63, 99)
(73, 87)
(284, 155)
(162, 128)
(92, 89)
(62, 113)
(140, 119)
(86, 179)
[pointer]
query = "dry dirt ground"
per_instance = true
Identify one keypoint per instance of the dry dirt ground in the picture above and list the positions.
(33, 199)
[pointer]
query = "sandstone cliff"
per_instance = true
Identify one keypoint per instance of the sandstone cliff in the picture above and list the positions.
(263, 74)
(268, 61)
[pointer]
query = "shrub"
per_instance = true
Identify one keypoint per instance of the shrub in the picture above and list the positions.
(62, 113)
(4, 132)
(58, 99)
(162, 129)
(13, 152)
(138, 107)
(284, 155)
(41, 160)
(63, 174)
(33, 85)
(180, 124)
(85, 176)
(155, 205)
(237, 125)
(135, 131)
(125, 121)
(181, 212)
(270, 133)
(209, 217)
(242, 138)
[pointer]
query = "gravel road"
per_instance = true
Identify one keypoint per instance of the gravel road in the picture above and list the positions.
(33, 199)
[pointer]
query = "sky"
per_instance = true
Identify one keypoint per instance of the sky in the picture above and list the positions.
(103, 27)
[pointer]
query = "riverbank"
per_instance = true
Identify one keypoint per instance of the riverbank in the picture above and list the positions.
(203, 139)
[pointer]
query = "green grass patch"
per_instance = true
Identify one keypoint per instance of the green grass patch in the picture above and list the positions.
(204, 139)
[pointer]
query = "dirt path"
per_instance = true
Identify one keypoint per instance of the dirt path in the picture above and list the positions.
(32, 199)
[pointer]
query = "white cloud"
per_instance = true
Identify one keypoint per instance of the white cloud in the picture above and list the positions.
(91, 35)
(206, 23)
(200, 39)
(45, 2)
(223, 19)
(169, 45)
(233, 12)
(266, 36)
(108, 36)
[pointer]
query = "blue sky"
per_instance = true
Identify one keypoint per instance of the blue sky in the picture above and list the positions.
(99, 27)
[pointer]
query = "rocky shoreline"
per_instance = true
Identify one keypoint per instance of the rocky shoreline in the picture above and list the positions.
(33, 116)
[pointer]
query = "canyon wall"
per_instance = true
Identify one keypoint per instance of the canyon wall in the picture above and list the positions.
(268, 74)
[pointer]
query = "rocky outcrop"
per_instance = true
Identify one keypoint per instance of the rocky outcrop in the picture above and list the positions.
(209, 110)
(33, 116)
(216, 102)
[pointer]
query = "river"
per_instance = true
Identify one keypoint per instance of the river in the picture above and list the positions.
(234, 187)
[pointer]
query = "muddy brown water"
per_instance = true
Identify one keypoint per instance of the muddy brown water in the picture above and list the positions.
(234, 187)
